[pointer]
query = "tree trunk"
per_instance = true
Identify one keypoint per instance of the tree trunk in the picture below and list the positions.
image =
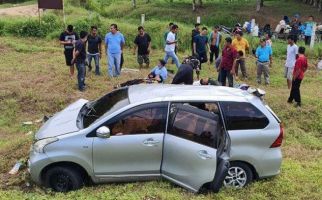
(200, 3)
(258, 5)
(193, 5)
(262, 3)
(134, 3)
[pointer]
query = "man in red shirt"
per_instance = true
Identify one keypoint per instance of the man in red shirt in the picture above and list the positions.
(298, 75)
(226, 68)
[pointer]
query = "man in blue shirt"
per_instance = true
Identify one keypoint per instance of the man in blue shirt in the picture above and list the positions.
(264, 61)
(114, 43)
(308, 30)
(159, 72)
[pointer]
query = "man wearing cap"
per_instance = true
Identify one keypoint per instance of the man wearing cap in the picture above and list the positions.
(264, 60)
(240, 44)
(226, 68)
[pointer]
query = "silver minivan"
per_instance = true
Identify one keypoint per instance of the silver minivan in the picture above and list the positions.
(137, 133)
(185, 134)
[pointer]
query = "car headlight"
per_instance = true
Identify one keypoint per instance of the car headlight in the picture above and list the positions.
(39, 145)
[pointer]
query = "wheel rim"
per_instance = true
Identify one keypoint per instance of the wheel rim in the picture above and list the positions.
(236, 177)
(61, 183)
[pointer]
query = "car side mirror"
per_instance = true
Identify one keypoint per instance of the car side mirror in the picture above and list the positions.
(103, 132)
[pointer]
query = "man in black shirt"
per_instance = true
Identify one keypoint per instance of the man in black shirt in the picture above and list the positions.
(143, 44)
(68, 39)
(194, 32)
(80, 58)
(185, 72)
(94, 49)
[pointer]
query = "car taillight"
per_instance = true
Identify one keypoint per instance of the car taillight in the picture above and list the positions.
(279, 139)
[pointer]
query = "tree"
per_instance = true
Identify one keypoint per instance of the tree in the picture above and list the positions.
(259, 5)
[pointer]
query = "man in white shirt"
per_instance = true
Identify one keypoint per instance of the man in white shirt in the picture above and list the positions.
(292, 51)
(171, 45)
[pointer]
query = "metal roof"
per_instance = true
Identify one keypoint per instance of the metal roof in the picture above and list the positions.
(167, 92)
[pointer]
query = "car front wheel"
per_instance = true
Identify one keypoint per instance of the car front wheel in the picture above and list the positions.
(238, 176)
(63, 179)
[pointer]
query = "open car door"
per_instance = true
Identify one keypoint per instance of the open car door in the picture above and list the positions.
(194, 146)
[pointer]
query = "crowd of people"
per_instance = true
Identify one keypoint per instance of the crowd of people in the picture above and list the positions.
(81, 50)
(296, 27)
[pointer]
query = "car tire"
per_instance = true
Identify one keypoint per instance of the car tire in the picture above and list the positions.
(63, 179)
(239, 175)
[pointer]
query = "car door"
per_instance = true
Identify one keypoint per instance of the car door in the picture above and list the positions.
(134, 148)
(189, 154)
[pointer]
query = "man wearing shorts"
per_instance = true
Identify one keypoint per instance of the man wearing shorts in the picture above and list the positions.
(292, 51)
(142, 43)
(68, 38)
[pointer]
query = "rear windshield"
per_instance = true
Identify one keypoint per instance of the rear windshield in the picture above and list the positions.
(105, 105)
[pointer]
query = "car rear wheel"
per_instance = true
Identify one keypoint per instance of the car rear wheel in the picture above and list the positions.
(238, 176)
(63, 179)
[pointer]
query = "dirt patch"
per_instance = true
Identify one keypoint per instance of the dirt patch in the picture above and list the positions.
(30, 10)
(299, 153)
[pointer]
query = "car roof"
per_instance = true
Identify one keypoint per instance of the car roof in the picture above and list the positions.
(166, 92)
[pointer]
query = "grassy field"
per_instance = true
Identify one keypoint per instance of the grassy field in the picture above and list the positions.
(35, 82)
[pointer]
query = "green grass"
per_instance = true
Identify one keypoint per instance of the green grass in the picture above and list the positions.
(36, 83)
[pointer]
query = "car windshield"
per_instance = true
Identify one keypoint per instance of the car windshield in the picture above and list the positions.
(107, 104)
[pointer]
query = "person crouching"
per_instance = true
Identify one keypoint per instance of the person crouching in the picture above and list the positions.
(159, 72)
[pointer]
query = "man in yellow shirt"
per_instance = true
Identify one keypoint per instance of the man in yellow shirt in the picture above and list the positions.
(240, 44)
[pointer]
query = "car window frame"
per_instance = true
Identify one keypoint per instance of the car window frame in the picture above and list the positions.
(131, 111)
(196, 111)
(226, 121)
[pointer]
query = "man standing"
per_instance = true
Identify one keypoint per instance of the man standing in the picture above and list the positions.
(241, 44)
(298, 75)
(94, 49)
(171, 45)
(264, 59)
(79, 58)
(292, 51)
(200, 46)
(114, 43)
(194, 32)
(308, 30)
(68, 39)
(168, 31)
(215, 39)
(142, 42)
(226, 68)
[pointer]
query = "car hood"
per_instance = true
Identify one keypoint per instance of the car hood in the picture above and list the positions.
(62, 122)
